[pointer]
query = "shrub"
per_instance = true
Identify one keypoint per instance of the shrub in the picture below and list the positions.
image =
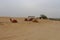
(43, 16)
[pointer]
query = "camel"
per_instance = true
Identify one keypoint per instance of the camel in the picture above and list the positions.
(26, 19)
(13, 20)
(35, 20)
(30, 19)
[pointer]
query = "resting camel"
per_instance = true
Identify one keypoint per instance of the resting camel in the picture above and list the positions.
(26, 19)
(31, 19)
(35, 20)
(13, 20)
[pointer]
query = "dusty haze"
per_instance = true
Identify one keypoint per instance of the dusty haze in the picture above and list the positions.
(23, 8)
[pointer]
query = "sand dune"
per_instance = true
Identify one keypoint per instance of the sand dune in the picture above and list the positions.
(44, 30)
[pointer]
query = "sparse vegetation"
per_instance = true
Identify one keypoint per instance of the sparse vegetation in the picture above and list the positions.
(55, 19)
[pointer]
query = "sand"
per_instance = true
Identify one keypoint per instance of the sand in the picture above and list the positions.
(44, 30)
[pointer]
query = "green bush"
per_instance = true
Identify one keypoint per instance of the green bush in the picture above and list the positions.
(43, 16)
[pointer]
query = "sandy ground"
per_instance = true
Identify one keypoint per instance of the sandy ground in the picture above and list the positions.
(44, 30)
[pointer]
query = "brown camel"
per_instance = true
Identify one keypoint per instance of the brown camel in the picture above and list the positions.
(25, 19)
(13, 20)
(30, 19)
(35, 20)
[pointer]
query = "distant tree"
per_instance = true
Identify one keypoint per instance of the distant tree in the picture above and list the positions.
(43, 16)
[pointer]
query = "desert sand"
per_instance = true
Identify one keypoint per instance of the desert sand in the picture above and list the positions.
(25, 30)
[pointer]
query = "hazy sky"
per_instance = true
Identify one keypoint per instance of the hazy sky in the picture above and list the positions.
(19, 8)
